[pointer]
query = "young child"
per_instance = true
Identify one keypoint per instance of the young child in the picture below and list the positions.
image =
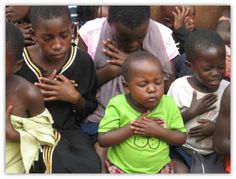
(181, 20)
(137, 127)
(66, 77)
(109, 41)
(221, 137)
(28, 122)
(19, 15)
(198, 98)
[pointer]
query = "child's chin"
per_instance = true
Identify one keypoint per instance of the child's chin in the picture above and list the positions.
(151, 107)
(214, 87)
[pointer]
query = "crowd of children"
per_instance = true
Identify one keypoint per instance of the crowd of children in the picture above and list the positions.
(132, 96)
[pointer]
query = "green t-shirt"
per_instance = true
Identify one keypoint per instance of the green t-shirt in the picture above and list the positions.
(140, 154)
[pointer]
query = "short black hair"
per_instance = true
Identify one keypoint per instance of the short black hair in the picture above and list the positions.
(202, 40)
(136, 57)
(86, 13)
(130, 16)
(14, 40)
(48, 12)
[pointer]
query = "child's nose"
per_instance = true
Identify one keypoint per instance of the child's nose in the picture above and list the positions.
(191, 21)
(215, 72)
(57, 45)
(151, 88)
(134, 45)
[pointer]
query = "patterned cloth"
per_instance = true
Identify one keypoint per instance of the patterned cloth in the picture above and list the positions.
(168, 168)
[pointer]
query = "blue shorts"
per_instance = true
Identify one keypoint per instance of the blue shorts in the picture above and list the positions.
(181, 154)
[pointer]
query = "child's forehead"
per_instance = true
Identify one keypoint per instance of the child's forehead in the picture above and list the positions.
(213, 50)
(145, 63)
(48, 21)
(208, 55)
(58, 23)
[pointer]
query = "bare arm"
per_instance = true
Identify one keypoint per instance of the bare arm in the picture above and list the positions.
(113, 67)
(11, 134)
(33, 100)
(221, 137)
(108, 72)
(115, 137)
(32, 104)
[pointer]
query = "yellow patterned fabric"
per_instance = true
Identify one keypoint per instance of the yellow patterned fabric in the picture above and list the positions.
(34, 132)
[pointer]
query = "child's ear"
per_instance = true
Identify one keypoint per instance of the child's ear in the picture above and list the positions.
(33, 35)
(18, 65)
(126, 87)
(188, 64)
(73, 30)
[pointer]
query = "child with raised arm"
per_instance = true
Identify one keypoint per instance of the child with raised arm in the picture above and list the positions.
(181, 20)
(66, 77)
(198, 97)
(28, 122)
(139, 126)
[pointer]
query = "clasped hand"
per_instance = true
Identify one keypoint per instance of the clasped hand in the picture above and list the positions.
(117, 56)
(147, 126)
(58, 87)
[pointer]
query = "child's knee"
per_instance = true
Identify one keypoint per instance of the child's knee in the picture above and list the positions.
(180, 166)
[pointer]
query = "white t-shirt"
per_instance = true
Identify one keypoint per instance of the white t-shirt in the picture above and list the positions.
(182, 93)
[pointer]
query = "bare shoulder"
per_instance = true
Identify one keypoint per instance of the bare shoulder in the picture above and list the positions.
(31, 95)
(27, 89)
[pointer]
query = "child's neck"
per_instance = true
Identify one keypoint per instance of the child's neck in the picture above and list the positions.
(47, 65)
(135, 105)
(198, 86)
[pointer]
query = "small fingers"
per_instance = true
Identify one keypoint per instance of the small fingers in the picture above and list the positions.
(53, 74)
(138, 132)
(186, 12)
(47, 87)
(52, 98)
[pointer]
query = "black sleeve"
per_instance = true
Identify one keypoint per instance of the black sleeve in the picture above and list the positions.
(90, 97)
(87, 84)
(179, 37)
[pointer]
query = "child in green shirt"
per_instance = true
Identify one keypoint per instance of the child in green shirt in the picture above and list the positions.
(139, 126)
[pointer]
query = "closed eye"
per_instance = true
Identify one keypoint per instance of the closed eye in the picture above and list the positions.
(142, 84)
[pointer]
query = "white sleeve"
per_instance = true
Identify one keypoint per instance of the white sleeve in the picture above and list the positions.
(168, 40)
